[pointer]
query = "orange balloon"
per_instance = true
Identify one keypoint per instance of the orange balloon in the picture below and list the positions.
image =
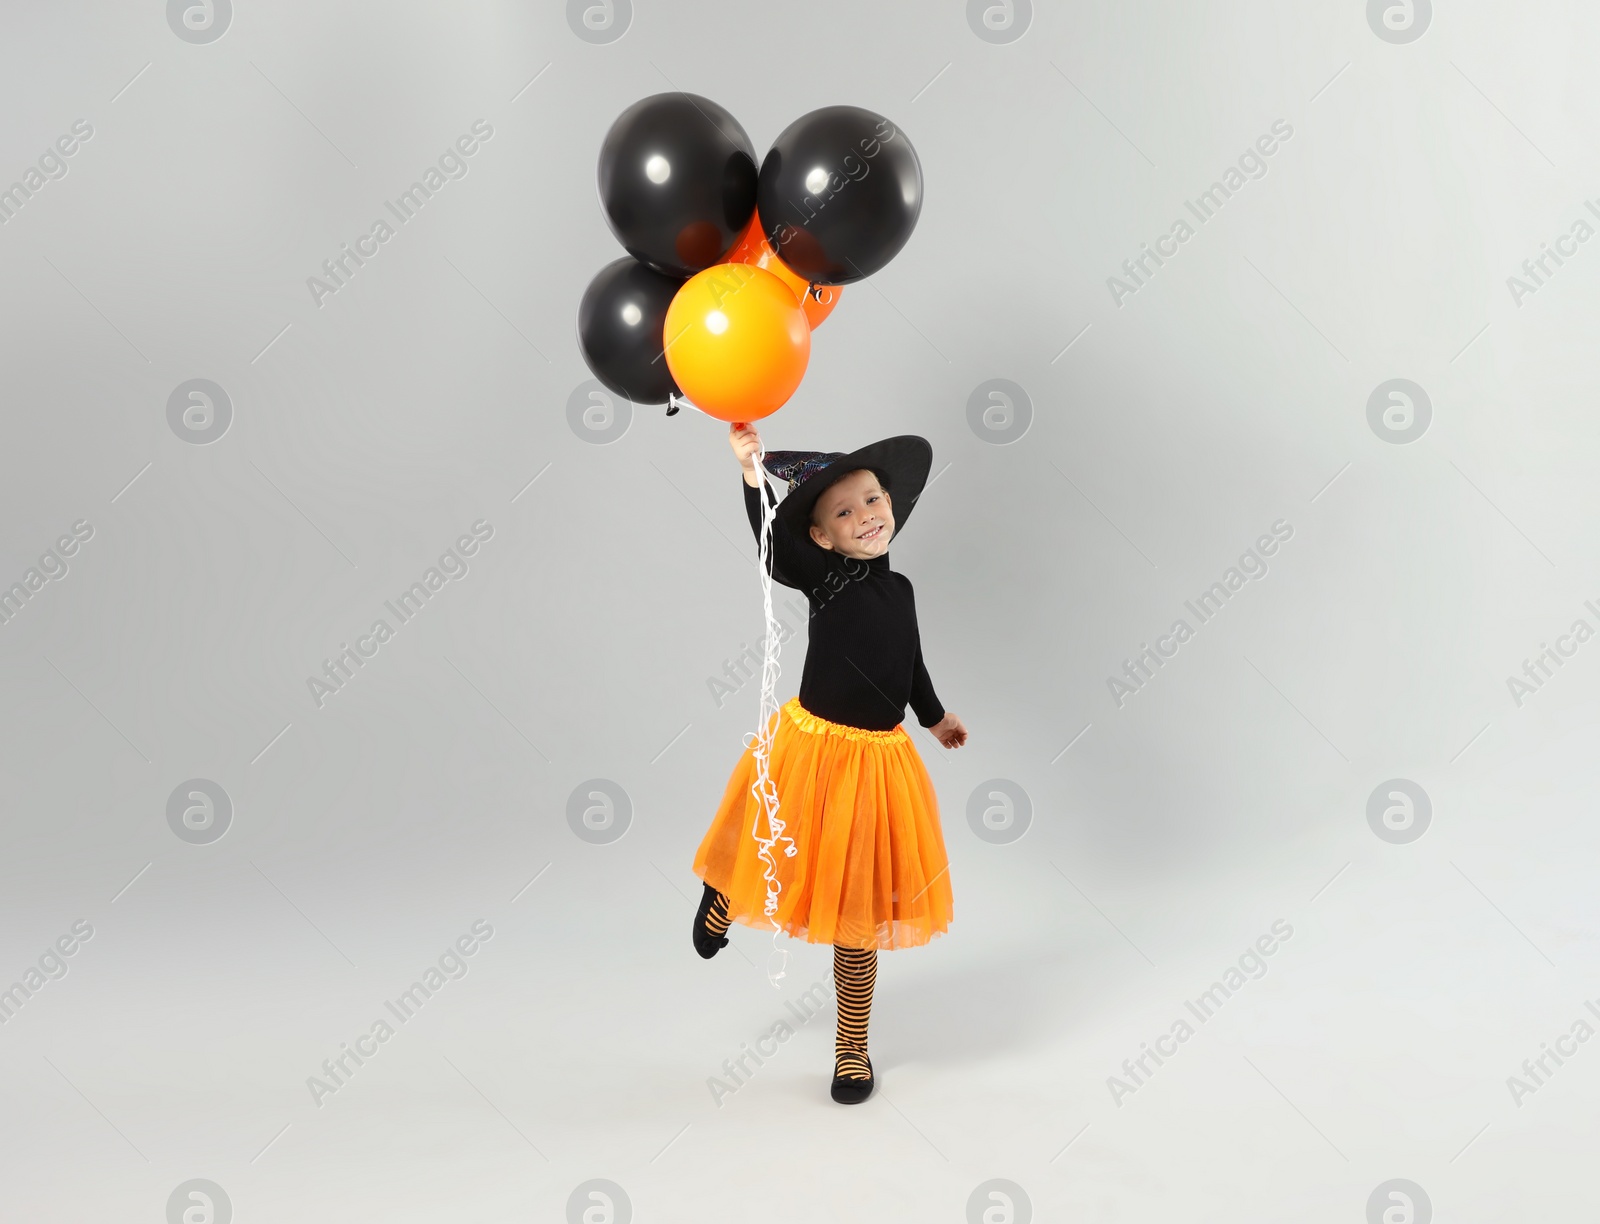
(737, 342)
(754, 249)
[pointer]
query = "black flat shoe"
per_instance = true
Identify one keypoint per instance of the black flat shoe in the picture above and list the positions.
(705, 942)
(848, 1090)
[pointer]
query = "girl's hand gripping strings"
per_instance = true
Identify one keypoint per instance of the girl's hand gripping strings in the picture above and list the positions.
(745, 442)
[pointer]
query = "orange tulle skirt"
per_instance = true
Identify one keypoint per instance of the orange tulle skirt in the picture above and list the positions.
(869, 868)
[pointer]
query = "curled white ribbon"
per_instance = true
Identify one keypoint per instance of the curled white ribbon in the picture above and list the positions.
(760, 741)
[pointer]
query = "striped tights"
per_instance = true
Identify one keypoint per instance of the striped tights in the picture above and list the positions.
(717, 919)
(855, 973)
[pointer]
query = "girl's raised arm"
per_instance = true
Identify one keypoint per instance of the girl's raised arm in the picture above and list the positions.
(792, 563)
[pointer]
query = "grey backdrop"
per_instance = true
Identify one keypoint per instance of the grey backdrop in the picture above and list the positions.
(1337, 753)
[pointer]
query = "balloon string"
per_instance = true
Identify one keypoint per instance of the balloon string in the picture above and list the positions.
(760, 741)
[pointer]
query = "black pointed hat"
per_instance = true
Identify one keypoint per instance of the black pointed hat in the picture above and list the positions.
(902, 464)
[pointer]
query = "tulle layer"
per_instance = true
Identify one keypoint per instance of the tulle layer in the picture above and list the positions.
(869, 869)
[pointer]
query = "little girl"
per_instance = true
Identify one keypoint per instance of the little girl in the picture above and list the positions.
(869, 870)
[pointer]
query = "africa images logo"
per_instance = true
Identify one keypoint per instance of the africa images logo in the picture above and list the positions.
(52, 165)
(1399, 21)
(999, 411)
(53, 566)
(595, 415)
(599, 21)
(599, 1201)
(199, 411)
(199, 811)
(452, 165)
(1398, 411)
(599, 811)
(199, 21)
(999, 21)
(199, 1201)
(1147, 660)
(999, 811)
(404, 607)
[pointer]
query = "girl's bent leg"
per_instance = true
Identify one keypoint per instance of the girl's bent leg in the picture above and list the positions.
(711, 923)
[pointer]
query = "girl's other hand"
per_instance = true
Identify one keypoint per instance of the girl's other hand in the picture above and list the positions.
(744, 440)
(949, 731)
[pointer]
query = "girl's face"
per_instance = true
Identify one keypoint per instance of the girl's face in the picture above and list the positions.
(853, 518)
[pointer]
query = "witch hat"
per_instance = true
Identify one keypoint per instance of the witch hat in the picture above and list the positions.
(901, 464)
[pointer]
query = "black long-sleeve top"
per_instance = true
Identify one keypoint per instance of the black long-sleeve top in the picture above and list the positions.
(864, 658)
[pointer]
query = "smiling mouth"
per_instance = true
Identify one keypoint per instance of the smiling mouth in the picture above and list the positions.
(873, 534)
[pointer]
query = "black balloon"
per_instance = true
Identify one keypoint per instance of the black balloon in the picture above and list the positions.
(677, 181)
(839, 194)
(619, 330)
